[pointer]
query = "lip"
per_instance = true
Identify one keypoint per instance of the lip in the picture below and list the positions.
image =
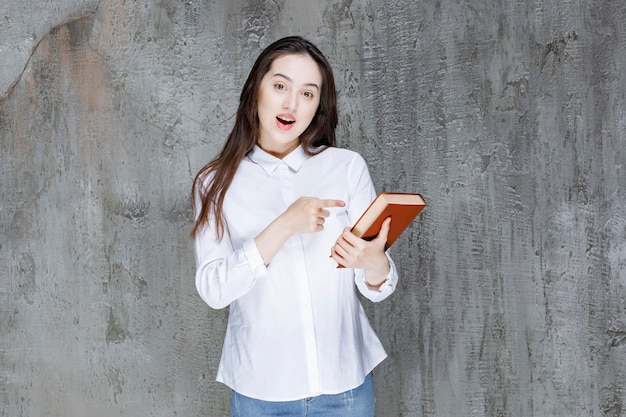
(280, 121)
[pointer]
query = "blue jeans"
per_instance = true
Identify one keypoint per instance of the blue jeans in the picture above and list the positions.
(358, 402)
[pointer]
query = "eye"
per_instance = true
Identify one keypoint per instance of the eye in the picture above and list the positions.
(308, 94)
(280, 86)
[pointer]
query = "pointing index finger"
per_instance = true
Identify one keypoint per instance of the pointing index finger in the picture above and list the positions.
(332, 203)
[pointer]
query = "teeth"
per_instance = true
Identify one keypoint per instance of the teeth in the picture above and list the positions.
(285, 121)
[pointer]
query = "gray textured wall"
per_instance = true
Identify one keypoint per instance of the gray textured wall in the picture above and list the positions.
(508, 115)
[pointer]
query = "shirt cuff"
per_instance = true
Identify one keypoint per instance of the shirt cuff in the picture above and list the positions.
(254, 258)
(381, 287)
(386, 288)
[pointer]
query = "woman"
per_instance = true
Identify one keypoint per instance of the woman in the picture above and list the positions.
(273, 213)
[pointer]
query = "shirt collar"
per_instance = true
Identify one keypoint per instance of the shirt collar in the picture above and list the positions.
(269, 163)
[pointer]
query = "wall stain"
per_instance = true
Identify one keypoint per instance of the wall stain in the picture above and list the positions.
(258, 17)
(617, 337)
(120, 277)
(116, 382)
(611, 403)
(27, 284)
(338, 17)
(132, 208)
(115, 332)
(556, 49)
(162, 18)
(80, 30)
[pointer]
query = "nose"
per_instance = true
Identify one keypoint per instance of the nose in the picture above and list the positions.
(290, 102)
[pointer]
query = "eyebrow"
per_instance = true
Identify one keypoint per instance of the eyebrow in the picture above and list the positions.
(278, 74)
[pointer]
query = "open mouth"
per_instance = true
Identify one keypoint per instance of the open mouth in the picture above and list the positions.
(285, 121)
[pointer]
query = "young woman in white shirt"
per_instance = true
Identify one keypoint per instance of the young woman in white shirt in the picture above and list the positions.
(272, 221)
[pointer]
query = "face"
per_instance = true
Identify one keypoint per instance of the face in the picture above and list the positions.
(289, 95)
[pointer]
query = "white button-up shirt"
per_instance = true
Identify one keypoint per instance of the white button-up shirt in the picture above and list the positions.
(296, 328)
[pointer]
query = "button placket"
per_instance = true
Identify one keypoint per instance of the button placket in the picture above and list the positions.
(295, 245)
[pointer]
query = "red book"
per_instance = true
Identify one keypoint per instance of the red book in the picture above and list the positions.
(401, 207)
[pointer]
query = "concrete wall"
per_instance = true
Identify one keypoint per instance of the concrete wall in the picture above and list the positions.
(508, 115)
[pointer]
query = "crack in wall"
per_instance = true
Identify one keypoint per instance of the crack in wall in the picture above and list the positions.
(19, 77)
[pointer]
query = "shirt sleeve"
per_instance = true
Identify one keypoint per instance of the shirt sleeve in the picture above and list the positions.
(225, 273)
(361, 195)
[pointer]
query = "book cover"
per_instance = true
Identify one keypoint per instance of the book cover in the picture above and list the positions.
(401, 207)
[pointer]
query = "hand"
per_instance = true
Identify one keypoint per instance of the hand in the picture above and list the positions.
(307, 214)
(354, 252)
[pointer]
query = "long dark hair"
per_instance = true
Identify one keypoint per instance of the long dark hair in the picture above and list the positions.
(317, 136)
